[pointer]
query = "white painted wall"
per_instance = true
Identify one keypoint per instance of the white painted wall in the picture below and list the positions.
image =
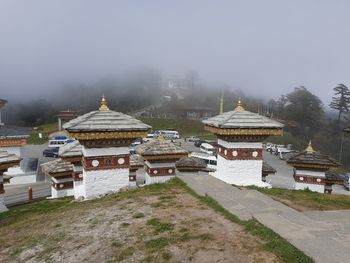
(61, 193)
(91, 152)
(13, 150)
(100, 182)
(79, 189)
(3, 207)
(20, 178)
(312, 187)
(157, 179)
(310, 173)
(240, 172)
(242, 145)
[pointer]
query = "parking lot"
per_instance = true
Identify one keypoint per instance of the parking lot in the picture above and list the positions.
(284, 175)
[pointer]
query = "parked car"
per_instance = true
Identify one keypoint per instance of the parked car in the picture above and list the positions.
(149, 137)
(207, 148)
(51, 152)
(198, 143)
(192, 139)
(346, 181)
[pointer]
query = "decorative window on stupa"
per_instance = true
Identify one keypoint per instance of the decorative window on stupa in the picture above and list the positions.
(108, 162)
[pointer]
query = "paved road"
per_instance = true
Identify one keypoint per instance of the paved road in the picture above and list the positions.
(324, 236)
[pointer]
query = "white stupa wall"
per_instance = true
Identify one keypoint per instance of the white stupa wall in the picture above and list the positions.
(157, 179)
(61, 193)
(57, 193)
(314, 175)
(79, 189)
(101, 181)
(241, 171)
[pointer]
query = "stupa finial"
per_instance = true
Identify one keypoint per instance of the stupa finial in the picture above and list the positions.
(309, 148)
(103, 106)
(161, 137)
(239, 105)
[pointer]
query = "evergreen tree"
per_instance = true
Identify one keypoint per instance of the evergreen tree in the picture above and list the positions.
(341, 100)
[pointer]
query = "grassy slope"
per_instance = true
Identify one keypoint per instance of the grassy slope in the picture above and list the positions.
(307, 200)
(273, 242)
(183, 126)
(46, 130)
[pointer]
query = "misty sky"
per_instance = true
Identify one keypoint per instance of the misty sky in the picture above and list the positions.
(265, 48)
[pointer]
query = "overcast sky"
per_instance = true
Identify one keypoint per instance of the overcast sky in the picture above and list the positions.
(265, 47)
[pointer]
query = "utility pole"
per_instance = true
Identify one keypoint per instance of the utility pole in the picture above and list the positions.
(222, 102)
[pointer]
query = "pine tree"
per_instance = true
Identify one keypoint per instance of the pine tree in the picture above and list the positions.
(341, 100)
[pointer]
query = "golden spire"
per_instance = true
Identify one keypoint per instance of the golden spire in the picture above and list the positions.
(239, 105)
(103, 106)
(161, 137)
(309, 148)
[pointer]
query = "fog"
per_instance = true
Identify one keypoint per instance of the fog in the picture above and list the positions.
(265, 48)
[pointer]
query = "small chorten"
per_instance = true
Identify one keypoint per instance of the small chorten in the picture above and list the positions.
(160, 156)
(310, 169)
(240, 135)
(105, 136)
(7, 160)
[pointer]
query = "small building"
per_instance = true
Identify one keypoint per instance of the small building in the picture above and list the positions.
(66, 115)
(240, 135)
(105, 136)
(199, 113)
(160, 156)
(7, 160)
(310, 169)
(61, 175)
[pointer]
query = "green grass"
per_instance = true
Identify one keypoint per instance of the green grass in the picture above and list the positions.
(304, 200)
(183, 126)
(159, 226)
(46, 130)
(41, 207)
(157, 244)
(138, 215)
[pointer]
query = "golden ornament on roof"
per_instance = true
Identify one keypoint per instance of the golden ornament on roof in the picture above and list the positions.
(309, 148)
(239, 106)
(103, 106)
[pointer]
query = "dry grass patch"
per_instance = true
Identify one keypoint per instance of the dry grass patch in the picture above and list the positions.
(127, 227)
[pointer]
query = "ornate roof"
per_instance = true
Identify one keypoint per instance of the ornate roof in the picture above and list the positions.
(136, 160)
(268, 169)
(312, 159)
(105, 120)
(241, 118)
(57, 166)
(159, 147)
(72, 149)
(191, 162)
(7, 158)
